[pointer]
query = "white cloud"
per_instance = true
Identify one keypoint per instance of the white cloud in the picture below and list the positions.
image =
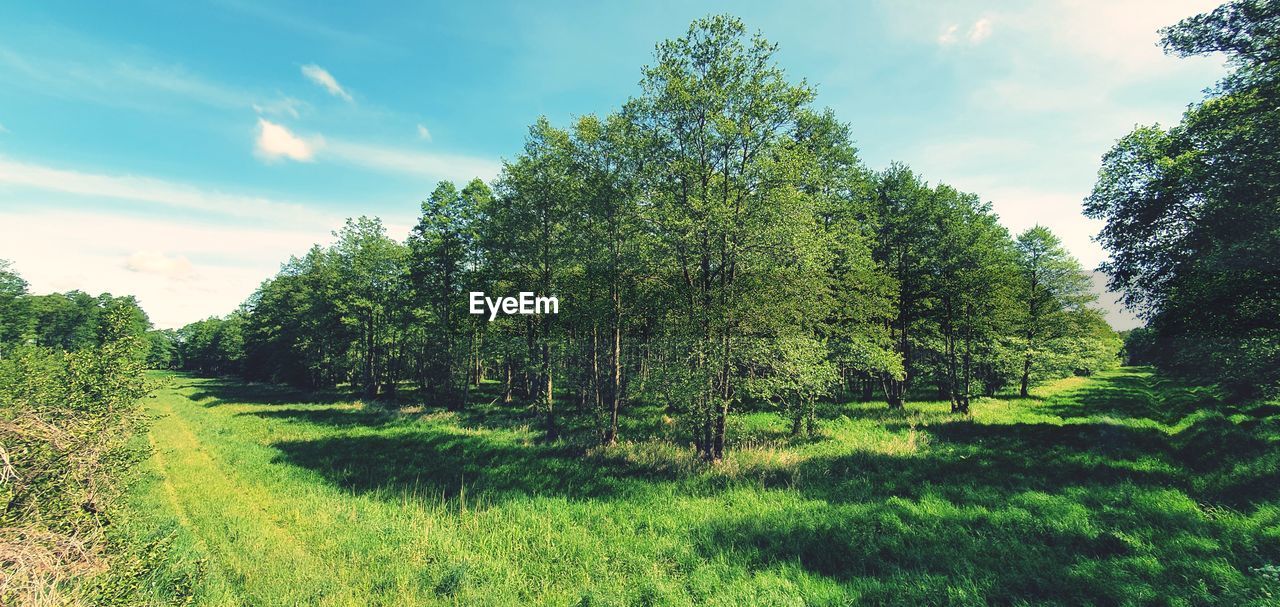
(323, 78)
(1119, 38)
(155, 191)
(176, 267)
(423, 133)
(3, 129)
(948, 35)
(980, 30)
(275, 141)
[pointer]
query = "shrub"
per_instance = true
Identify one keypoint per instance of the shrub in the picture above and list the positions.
(67, 420)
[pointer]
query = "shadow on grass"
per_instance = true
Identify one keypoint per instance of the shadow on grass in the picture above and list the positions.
(334, 417)
(1116, 545)
(438, 463)
(985, 464)
(1135, 393)
(213, 392)
(1029, 514)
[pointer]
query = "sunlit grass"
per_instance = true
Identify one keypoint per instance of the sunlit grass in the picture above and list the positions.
(1117, 489)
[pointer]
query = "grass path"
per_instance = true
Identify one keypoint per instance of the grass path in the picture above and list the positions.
(1087, 493)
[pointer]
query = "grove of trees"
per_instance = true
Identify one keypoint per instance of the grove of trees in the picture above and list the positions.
(716, 243)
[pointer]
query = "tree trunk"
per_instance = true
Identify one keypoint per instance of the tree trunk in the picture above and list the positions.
(1026, 376)
(548, 398)
(508, 383)
(615, 384)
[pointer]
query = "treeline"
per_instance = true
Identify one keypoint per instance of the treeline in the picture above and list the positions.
(1193, 213)
(715, 242)
(67, 321)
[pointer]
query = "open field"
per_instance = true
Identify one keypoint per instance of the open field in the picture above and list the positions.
(1117, 489)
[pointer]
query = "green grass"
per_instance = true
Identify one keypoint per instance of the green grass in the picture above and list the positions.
(1115, 490)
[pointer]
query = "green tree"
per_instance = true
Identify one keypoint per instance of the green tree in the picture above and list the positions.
(370, 271)
(905, 243)
(1053, 286)
(859, 294)
(975, 281)
(440, 258)
(15, 308)
(741, 239)
(613, 247)
(532, 242)
(162, 349)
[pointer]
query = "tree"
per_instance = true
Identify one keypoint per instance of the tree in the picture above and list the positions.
(440, 259)
(15, 308)
(795, 370)
(370, 267)
(162, 349)
(860, 297)
(532, 242)
(975, 280)
(718, 118)
(214, 346)
(907, 220)
(1053, 287)
(612, 246)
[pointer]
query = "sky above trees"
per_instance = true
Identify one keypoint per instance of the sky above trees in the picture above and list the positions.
(180, 152)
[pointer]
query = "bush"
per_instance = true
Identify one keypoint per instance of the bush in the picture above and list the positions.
(67, 420)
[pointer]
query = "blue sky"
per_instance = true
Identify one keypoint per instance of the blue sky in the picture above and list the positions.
(181, 151)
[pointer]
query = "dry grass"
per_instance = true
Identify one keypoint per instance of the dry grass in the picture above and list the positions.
(36, 565)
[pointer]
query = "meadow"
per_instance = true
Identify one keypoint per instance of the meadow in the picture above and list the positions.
(1121, 488)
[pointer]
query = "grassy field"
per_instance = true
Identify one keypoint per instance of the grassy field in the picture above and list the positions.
(1113, 490)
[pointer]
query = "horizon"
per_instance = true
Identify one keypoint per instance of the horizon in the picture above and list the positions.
(133, 160)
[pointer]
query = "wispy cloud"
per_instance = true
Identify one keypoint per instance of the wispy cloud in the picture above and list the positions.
(980, 30)
(948, 35)
(133, 83)
(155, 191)
(275, 141)
(297, 22)
(326, 80)
(977, 32)
(423, 133)
(398, 160)
(283, 106)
